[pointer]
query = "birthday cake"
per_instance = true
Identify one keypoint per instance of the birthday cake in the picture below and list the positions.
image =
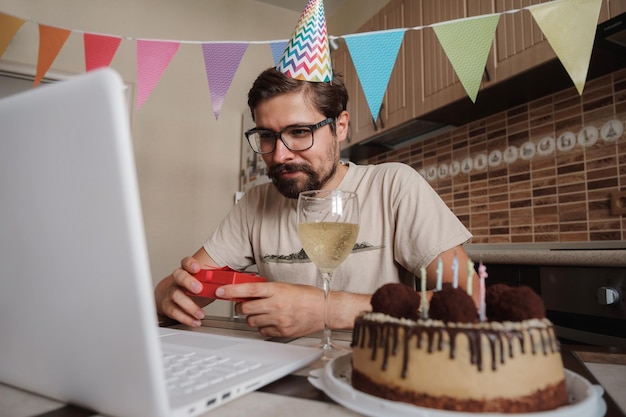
(454, 361)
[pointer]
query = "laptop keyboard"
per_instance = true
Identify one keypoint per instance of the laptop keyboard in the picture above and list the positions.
(186, 373)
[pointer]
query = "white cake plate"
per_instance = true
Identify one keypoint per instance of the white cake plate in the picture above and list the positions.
(334, 379)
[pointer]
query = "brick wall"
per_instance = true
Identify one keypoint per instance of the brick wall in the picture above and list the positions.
(534, 173)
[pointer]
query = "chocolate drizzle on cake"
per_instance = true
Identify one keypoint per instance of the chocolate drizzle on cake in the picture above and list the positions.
(370, 333)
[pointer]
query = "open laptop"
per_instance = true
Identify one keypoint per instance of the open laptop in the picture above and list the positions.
(77, 315)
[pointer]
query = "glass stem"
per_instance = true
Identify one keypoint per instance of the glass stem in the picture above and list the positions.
(327, 340)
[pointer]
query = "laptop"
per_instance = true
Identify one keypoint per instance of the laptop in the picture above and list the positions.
(78, 320)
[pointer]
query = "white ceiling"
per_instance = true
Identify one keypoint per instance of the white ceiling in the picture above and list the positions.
(330, 6)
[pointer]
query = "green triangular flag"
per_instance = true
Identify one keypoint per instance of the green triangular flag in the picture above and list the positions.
(570, 28)
(467, 43)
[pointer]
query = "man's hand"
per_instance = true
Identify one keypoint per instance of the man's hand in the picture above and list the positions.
(278, 309)
(170, 297)
(290, 310)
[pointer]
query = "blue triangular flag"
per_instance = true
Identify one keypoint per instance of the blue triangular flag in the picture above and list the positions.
(374, 55)
(278, 47)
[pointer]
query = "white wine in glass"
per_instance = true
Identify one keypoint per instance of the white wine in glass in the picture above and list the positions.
(328, 225)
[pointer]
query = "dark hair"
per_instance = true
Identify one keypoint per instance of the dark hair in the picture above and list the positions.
(329, 98)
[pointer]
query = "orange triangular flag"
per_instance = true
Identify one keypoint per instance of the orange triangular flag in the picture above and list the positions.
(51, 41)
(9, 26)
(99, 50)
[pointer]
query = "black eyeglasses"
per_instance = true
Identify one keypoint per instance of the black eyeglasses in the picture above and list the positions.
(295, 138)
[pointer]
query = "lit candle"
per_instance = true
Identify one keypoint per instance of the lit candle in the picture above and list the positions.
(482, 274)
(423, 290)
(470, 276)
(439, 275)
(455, 271)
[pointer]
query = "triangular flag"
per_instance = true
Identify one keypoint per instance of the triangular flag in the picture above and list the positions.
(153, 57)
(278, 47)
(466, 43)
(51, 40)
(221, 61)
(99, 50)
(374, 55)
(9, 26)
(570, 28)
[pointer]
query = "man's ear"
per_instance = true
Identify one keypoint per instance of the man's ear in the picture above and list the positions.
(342, 124)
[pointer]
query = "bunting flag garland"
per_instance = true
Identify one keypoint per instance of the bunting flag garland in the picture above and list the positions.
(51, 40)
(278, 47)
(467, 43)
(9, 26)
(153, 57)
(374, 56)
(568, 25)
(570, 28)
(99, 50)
(221, 61)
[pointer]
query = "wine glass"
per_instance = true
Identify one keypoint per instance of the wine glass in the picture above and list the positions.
(328, 225)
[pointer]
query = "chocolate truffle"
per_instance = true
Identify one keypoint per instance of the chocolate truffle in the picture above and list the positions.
(397, 300)
(452, 305)
(493, 294)
(514, 304)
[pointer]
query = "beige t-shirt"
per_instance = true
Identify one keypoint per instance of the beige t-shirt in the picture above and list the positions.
(404, 226)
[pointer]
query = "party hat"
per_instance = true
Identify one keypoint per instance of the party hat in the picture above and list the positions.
(307, 55)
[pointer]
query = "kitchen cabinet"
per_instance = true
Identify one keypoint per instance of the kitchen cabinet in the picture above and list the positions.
(423, 80)
(363, 124)
(397, 104)
(520, 44)
(342, 64)
(439, 81)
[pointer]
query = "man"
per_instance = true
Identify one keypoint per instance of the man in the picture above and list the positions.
(404, 224)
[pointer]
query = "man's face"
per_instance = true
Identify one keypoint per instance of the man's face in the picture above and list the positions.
(295, 171)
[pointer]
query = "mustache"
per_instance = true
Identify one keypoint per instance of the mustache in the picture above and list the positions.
(276, 170)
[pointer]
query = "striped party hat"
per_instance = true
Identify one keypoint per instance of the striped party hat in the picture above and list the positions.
(307, 55)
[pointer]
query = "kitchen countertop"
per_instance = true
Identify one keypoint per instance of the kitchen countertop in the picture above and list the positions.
(592, 254)
(606, 365)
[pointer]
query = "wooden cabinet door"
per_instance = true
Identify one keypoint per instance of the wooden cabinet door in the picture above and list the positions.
(342, 64)
(365, 126)
(520, 44)
(441, 85)
(398, 104)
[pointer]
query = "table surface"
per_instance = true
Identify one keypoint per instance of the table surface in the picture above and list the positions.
(294, 392)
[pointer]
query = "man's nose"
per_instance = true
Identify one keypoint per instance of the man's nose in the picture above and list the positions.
(281, 152)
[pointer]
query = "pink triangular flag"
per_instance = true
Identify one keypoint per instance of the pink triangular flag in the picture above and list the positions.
(99, 50)
(153, 57)
(51, 40)
(221, 61)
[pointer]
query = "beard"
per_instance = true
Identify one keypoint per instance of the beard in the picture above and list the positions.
(292, 187)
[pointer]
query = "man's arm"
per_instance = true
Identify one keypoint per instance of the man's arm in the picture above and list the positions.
(447, 275)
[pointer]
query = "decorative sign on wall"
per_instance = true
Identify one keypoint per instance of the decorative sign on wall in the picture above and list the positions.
(253, 168)
(611, 131)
